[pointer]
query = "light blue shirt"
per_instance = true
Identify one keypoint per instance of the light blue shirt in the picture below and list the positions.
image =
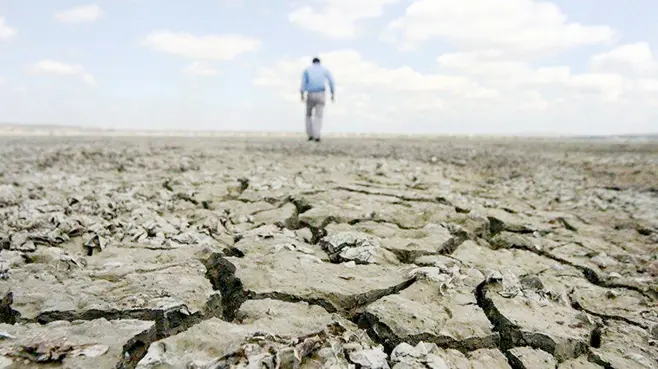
(313, 79)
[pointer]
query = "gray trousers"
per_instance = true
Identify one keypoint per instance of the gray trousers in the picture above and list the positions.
(314, 109)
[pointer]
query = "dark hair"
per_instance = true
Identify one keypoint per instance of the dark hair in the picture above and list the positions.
(316, 60)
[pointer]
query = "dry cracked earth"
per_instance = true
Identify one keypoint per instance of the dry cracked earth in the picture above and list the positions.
(156, 253)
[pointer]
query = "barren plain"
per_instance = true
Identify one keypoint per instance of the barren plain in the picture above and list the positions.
(442, 253)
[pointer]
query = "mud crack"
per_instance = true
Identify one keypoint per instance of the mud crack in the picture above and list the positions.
(238, 280)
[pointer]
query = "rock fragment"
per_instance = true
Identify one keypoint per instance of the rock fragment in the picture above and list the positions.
(407, 244)
(426, 355)
(7, 314)
(517, 261)
(95, 243)
(374, 358)
(621, 304)
(270, 331)
(98, 343)
(4, 268)
(475, 225)
(432, 239)
(270, 240)
(8, 196)
(653, 268)
(285, 215)
(406, 355)
(430, 313)
(625, 346)
(501, 220)
(527, 358)
(341, 206)
(538, 319)
(603, 261)
(580, 363)
(117, 285)
(509, 240)
(486, 358)
(22, 242)
(292, 276)
(357, 247)
(600, 263)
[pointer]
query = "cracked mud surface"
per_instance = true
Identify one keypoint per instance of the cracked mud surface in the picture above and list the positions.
(157, 253)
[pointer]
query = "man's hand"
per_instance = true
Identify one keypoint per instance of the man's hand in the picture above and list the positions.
(302, 96)
(333, 98)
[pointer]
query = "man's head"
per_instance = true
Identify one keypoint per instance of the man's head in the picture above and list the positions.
(316, 61)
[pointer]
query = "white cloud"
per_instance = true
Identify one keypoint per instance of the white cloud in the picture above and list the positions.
(494, 74)
(490, 64)
(207, 47)
(469, 78)
(200, 69)
(351, 70)
(494, 68)
(370, 94)
(516, 26)
(337, 18)
(472, 90)
(79, 14)
(6, 31)
(649, 85)
(48, 66)
(232, 3)
(634, 58)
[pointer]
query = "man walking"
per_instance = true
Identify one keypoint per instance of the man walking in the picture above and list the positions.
(313, 83)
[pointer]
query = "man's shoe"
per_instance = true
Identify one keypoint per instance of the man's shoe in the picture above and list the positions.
(310, 138)
(317, 140)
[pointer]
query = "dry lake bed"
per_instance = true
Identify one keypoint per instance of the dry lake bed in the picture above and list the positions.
(442, 253)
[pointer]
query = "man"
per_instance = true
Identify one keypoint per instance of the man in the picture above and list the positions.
(313, 83)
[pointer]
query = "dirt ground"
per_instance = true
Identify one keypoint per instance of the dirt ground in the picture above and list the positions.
(150, 253)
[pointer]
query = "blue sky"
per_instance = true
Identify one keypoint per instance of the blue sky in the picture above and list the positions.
(440, 66)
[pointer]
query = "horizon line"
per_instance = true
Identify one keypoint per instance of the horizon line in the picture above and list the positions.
(7, 129)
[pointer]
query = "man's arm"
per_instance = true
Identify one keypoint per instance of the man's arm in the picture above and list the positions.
(330, 79)
(304, 84)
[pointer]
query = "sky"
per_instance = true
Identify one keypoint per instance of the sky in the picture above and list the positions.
(410, 66)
